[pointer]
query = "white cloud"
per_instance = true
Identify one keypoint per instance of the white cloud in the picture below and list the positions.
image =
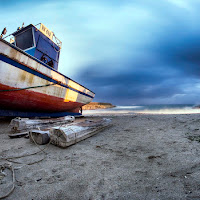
(182, 4)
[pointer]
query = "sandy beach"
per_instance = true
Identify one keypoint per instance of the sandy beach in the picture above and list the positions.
(142, 156)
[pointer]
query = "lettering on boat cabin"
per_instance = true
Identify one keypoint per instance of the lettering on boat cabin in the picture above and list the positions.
(46, 31)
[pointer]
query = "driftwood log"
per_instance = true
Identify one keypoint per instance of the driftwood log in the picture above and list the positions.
(70, 134)
(25, 124)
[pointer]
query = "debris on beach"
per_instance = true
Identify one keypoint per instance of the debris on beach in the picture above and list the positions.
(18, 135)
(23, 124)
(55, 131)
(70, 134)
(40, 137)
(59, 131)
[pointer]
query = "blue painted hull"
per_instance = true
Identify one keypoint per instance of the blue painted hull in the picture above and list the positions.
(13, 113)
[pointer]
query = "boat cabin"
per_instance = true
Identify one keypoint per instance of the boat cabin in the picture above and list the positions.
(39, 43)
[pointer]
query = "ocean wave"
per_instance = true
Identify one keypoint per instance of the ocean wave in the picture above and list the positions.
(185, 110)
(145, 110)
(128, 107)
(148, 109)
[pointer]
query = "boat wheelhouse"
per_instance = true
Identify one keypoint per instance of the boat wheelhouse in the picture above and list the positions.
(30, 84)
(39, 43)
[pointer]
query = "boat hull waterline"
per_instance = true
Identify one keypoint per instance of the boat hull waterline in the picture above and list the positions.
(41, 88)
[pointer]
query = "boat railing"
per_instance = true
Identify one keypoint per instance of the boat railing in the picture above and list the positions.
(54, 39)
(11, 39)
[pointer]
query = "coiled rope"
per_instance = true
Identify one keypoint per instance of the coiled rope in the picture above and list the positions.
(10, 167)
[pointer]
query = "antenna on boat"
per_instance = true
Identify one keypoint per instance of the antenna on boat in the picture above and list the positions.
(3, 32)
(20, 27)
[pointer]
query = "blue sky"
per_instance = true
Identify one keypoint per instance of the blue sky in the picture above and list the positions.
(127, 52)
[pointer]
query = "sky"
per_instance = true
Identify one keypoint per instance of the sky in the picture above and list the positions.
(127, 52)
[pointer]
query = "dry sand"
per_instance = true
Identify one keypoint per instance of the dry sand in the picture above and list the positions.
(139, 157)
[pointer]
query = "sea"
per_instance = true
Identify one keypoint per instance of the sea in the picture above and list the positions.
(148, 109)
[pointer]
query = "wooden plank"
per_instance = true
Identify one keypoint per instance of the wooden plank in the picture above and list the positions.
(76, 132)
(40, 137)
(20, 124)
(18, 135)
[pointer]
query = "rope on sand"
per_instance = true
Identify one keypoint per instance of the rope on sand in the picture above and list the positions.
(26, 155)
(10, 167)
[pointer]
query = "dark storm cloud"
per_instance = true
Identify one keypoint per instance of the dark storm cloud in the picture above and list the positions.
(165, 70)
(127, 52)
(134, 86)
(182, 51)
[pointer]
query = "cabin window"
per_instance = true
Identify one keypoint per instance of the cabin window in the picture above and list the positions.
(25, 39)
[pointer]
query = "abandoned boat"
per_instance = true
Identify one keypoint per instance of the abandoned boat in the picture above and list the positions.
(30, 84)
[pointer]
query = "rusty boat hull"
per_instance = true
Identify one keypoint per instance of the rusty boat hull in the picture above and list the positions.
(29, 87)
